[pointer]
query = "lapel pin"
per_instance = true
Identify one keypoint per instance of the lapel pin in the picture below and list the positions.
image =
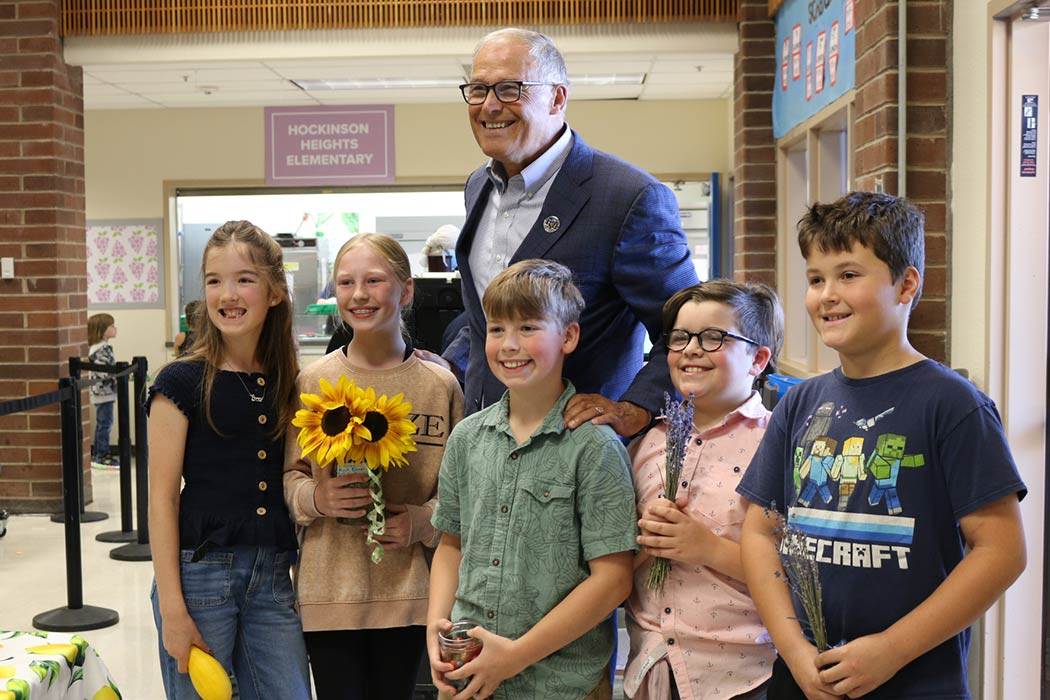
(551, 224)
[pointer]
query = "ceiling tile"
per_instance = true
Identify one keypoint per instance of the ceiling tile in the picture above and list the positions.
(122, 72)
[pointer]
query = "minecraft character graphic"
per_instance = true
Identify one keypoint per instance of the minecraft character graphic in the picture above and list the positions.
(884, 465)
(818, 467)
(819, 424)
(796, 469)
(848, 469)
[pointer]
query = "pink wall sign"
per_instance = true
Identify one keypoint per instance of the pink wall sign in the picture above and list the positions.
(330, 145)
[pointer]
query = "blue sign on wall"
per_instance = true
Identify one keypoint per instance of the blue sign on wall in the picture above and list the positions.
(816, 51)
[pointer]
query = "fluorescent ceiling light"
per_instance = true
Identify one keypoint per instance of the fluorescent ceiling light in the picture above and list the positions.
(376, 83)
(608, 79)
(410, 83)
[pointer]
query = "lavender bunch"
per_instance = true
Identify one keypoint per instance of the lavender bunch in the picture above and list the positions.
(678, 417)
(803, 577)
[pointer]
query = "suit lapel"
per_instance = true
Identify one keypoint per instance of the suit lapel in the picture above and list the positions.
(477, 197)
(565, 199)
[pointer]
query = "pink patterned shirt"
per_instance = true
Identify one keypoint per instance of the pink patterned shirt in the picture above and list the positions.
(703, 623)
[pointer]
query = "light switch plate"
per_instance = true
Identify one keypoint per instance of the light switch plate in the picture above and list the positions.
(7, 268)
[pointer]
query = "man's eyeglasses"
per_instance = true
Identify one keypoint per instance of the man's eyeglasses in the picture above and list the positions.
(506, 91)
(710, 339)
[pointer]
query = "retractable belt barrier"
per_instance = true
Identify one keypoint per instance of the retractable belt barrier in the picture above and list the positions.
(76, 616)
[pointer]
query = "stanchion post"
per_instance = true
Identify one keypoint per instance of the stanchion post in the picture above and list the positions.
(124, 448)
(71, 497)
(139, 551)
(86, 516)
(75, 616)
(125, 533)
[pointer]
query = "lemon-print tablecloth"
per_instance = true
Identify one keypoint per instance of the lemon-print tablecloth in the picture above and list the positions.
(52, 666)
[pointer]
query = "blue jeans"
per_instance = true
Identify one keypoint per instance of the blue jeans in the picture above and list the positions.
(241, 600)
(103, 424)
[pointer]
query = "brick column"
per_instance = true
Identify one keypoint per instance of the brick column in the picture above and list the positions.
(43, 310)
(876, 133)
(754, 162)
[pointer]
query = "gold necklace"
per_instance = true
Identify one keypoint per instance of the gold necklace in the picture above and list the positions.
(254, 398)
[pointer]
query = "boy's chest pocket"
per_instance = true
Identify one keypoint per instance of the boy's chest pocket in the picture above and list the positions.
(546, 511)
(718, 505)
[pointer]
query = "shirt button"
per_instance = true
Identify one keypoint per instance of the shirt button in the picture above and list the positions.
(262, 420)
(499, 258)
(490, 614)
(546, 494)
(667, 611)
(699, 441)
(263, 486)
(514, 456)
(261, 454)
(260, 381)
(685, 484)
(260, 511)
(506, 215)
(736, 469)
(670, 642)
(495, 562)
(503, 509)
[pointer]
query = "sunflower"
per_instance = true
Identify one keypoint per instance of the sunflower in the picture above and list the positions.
(389, 432)
(332, 421)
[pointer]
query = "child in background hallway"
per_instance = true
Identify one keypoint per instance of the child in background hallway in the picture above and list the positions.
(537, 520)
(222, 546)
(184, 339)
(720, 337)
(364, 621)
(916, 530)
(101, 328)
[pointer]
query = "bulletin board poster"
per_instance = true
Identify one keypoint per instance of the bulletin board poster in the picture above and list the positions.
(816, 59)
(330, 145)
(124, 265)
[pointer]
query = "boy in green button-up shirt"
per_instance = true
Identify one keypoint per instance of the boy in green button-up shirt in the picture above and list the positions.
(538, 521)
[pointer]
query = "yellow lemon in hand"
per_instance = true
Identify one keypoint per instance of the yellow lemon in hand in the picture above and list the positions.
(6, 695)
(7, 671)
(209, 678)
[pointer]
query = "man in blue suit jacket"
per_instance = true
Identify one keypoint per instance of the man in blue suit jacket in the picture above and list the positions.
(547, 194)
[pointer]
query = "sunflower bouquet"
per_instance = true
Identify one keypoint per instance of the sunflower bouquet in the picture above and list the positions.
(351, 427)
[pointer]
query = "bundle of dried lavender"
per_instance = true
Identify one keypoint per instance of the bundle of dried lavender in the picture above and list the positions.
(678, 418)
(803, 576)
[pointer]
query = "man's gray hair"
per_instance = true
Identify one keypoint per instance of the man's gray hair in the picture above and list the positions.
(546, 58)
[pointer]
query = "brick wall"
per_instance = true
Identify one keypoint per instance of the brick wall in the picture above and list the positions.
(874, 138)
(928, 128)
(43, 309)
(754, 162)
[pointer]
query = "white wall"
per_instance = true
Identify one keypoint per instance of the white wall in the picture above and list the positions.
(130, 154)
(969, 191)
(998, 287)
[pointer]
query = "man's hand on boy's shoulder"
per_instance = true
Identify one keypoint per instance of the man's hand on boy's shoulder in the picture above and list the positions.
(498, 661)
(626, 418)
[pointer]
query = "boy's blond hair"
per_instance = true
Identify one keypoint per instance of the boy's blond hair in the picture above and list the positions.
(891, 227)
(534, 289)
